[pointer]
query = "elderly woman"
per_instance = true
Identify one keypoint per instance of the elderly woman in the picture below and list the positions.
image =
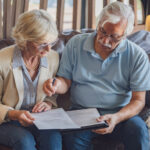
(23, 69)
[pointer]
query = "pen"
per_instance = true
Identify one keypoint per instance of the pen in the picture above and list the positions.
(53, 81)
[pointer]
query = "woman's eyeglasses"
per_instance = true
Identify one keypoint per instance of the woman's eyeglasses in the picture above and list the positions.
(43, 46)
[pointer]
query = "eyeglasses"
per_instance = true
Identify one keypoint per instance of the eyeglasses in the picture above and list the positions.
(113, 38)
(43, 46)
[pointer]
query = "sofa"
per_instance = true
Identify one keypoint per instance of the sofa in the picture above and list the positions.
(141, 38)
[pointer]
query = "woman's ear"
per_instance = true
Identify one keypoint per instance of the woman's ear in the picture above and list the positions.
(29, 45)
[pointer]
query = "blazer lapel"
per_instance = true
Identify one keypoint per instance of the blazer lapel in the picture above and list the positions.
(42, 78)
(17, 72)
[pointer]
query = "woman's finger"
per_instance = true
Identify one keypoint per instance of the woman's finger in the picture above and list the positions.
(40, 109)
(47, 108)
(28, 115)
(36, 106)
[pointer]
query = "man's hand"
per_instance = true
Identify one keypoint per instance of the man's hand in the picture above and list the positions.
(111, 119)
(133, 108)
(24, 117)
(50, 87)
(42, 106)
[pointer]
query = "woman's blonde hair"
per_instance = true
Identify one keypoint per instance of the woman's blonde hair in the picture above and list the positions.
(35, 26)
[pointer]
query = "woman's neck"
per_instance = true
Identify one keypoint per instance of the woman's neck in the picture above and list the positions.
(32, 63)
(29, 57)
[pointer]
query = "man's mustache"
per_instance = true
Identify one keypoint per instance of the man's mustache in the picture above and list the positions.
(106, 45)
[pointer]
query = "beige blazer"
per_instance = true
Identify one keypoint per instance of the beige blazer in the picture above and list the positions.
(11, 81)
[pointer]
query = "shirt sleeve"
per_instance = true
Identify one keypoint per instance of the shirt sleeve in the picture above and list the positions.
(67, 61)
(140, 73)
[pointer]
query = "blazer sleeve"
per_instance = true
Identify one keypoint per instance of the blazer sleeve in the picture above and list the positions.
(52, 99)
(3, 108)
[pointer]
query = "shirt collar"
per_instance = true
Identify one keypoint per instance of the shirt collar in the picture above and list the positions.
(44, 62)
(18, 60)
(89, 42)
(120, 48)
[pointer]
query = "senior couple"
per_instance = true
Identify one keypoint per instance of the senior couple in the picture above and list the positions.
(102, 69)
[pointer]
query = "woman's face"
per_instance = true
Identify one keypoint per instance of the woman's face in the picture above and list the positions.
(36, 49)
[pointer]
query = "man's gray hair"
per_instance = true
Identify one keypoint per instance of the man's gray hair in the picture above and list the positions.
(116, 11)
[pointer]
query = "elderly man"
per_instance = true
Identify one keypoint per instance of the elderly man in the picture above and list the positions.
(106, 71)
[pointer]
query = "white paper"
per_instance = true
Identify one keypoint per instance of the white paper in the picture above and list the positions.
(60, 119)
(85, 117)
(53, 119)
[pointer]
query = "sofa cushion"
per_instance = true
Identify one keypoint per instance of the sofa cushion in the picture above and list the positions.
(142, 39)
(6, 42)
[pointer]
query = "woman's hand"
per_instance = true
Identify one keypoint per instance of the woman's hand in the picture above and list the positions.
(24, 117)
(111, 119)
(42, 106)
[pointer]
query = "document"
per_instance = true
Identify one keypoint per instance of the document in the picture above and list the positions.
(68, 120)
(54, 119)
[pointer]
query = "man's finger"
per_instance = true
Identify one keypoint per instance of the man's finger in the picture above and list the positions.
(101, 131)
(46, 90)
(46, 87)
(103, 118)
(49, 89)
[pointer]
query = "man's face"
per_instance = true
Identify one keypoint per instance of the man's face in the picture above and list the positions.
(110, 35)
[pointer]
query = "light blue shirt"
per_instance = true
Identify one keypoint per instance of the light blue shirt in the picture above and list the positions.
(30, 87)
(99, 83)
